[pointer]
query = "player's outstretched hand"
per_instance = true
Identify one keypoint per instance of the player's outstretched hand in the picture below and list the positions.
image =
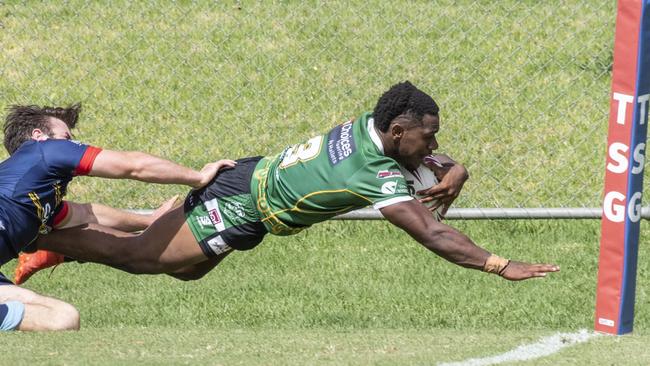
(517, 271)
(210, 170)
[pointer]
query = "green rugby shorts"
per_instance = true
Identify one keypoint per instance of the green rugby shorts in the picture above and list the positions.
(222, 215)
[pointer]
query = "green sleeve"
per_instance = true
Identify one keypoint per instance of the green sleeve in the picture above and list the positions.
(381, 182)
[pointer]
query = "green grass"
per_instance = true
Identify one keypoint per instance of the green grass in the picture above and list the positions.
(342, 293)
(523, 87)
(208, 346)
(354, 275)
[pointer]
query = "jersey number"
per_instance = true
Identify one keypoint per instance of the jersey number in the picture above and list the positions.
(302, 152)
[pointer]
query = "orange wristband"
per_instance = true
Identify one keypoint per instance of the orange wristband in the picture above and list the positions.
(495, 264)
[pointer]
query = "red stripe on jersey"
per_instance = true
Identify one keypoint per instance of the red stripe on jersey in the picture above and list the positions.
(63, 212)
(86, 162)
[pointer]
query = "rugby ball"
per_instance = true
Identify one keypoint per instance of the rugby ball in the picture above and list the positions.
(419, 179)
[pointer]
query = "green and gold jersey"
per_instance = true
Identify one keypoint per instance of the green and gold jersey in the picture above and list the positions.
(328, 175)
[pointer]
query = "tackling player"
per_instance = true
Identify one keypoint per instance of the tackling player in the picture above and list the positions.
(33, 182)
(354, 165)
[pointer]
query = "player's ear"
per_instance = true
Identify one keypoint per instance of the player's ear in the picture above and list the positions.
(397, 130)
(39, 135)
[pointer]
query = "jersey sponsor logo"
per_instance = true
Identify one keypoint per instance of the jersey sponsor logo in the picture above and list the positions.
(204, 221)
(212, 207)
(235, 212)
(214, 216)
(340, 143)
(236, 207)
(218, 245)
(389, 187)
(384, 174)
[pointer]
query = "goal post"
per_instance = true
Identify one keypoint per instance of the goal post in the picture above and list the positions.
(626, 145)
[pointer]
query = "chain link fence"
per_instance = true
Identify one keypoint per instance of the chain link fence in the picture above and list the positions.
(523, 85)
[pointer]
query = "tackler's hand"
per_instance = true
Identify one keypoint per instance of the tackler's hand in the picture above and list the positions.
(211, 170)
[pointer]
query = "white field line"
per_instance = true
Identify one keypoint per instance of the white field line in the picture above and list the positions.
(544, 347)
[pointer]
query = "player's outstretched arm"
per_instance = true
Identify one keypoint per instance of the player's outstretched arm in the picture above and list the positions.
(456, 247)
(148, 168)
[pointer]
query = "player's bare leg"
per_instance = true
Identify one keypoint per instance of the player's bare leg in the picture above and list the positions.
(197, 271)
(165, 247)
(41, 312)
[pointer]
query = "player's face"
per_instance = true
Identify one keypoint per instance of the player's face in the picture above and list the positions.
(59, 130)
(418, 142)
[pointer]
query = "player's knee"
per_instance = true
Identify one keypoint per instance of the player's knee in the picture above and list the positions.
(144, 266)
(198, 270)
(66, 317)
(137, 263)
(192, 276)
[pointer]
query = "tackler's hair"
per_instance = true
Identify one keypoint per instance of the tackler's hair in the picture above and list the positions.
(21, 120)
